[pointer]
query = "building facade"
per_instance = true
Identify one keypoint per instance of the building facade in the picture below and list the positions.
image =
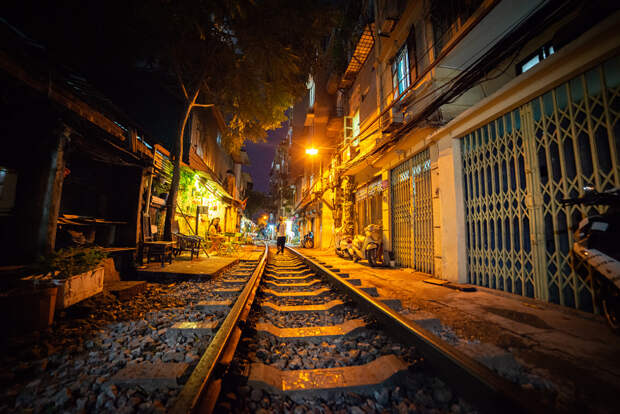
(212, 183)
(463, 125)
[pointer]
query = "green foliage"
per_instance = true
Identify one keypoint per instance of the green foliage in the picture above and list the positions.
(65, 263)
(187, 192)
(250, 58)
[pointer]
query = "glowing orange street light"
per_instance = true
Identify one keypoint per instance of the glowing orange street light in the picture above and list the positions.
(312, 151)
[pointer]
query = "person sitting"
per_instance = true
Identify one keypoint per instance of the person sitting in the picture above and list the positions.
(215, 233)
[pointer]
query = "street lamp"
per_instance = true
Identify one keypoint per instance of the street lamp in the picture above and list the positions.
(312, 151)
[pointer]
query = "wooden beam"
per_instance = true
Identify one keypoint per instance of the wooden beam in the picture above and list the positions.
(60, 95)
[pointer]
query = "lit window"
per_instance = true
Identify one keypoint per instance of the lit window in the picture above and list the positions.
(311, 91)
(400, 72)
(535, 58)
(356, 127)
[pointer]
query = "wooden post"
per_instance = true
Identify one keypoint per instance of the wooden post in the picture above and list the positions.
(53, 192)
(197, 219)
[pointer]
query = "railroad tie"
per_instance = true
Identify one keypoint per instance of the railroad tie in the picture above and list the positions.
(268, 306)
(234, 282)
(234, 291)
(297, 294)
(317, 334)
(294, 284)
(215, 305)
(360, 378)
(202, 328)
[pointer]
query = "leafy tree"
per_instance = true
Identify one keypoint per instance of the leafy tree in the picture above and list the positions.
(250, 58)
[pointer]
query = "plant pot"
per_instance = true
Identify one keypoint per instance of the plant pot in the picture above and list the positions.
(79, 287)
(26, 309)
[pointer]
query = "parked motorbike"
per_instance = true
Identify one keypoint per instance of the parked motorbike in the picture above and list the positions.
(596, 246)
(368, 246)
(308, 241)
(343, 244)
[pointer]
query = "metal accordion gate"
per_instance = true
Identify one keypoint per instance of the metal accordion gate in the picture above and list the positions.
(412, 213)
(515, 170)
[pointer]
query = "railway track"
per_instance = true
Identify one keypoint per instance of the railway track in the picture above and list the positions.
(303, 337)
(134, 363)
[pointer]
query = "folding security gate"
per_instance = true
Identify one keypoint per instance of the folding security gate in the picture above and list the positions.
(518, 166)
(412, 213)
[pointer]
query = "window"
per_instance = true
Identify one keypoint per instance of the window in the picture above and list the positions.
(356, 127)
(311, 92)
(218, 139)
(535, 58)
(400, 72)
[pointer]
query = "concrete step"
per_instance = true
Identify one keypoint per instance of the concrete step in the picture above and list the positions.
(360, 378)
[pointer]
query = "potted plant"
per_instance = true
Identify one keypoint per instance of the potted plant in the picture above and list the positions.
(77, 272)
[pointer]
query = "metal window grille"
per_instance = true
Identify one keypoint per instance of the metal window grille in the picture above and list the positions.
(518, 166)
(412, 213)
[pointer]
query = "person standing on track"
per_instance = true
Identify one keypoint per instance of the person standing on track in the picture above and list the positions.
(281, 235)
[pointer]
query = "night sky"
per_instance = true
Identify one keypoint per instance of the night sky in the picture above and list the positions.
(261, 155)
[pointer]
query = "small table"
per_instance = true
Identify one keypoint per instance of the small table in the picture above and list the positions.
(162, 249)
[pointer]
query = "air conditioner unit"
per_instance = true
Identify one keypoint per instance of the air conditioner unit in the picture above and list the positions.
(391, 119)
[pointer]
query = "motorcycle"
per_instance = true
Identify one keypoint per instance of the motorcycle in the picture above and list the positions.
(308, 241)
(596, 246)
(343, 244)
(368, 246)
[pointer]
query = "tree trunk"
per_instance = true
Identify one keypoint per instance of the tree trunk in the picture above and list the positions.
(171, 202)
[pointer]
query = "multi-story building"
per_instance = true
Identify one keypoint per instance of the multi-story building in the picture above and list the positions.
(279, 186)
(212, 182)
(464, 124)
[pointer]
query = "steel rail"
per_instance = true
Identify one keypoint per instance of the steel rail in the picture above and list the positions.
(200, 392)
(472, 380)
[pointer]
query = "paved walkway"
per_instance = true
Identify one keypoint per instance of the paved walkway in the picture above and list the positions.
(534, 343)
(204, 267)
